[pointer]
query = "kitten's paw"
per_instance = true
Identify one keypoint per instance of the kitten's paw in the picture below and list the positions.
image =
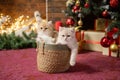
(72, 63)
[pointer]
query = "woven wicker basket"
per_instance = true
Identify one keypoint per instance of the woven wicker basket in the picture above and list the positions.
(53, 58)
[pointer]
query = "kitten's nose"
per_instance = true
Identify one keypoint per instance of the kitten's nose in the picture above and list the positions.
(44, 29)
(65, 38)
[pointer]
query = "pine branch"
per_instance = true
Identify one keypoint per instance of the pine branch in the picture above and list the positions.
(25, 36)
(115, 24)
(10, 41)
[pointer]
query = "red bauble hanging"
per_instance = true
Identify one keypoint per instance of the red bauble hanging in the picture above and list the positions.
(86, 5)
(111, 41)
(114, 3)
(57, 25)
(105, 13)
(75, 9)
(117, 41)
(70, 22)
(110, 33)
(106, 42)
(115, 29)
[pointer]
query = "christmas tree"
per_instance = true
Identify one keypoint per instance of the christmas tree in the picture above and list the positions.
(82, 13)
(86, 11)
(111, 9)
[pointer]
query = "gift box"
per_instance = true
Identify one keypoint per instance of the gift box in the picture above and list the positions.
(79, 41)
(101, 24)
(92, 40)
(80, 46)
(78, 35)
(108, 52)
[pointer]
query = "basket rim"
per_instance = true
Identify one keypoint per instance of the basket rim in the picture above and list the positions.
(63, 46)
(52, 44)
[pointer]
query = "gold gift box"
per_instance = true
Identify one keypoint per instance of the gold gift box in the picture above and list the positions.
(101, 24)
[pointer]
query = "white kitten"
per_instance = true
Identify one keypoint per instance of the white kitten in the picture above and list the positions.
(45, 30)
(67, 36)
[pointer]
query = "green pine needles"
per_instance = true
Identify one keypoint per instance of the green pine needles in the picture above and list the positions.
(11, 41)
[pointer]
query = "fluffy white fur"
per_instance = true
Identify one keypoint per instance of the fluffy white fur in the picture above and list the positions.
(67, 36)
(45, 31)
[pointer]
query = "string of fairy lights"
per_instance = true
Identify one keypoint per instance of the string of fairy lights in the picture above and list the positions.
(8, 24)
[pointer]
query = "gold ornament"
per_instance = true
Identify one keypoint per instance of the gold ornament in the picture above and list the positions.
(114, 47)
(77, 28)
(77, 3)
(80, 23)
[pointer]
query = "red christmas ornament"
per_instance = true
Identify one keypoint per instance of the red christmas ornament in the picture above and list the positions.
(111, 41)
(114, 3)
(75, 9)
(117, 41)
(70, 22)
(110, 33)
(86, 5)
(115, 29)
(105, 13)
(106, 42)
(57, 25)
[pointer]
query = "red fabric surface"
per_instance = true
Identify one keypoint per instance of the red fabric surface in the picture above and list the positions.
(21, 65)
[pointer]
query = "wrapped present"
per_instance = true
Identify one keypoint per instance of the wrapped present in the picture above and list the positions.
(80, 45)
(80, 42)
(101, 24)
(78, 35)
(108, 52)
(92, 40)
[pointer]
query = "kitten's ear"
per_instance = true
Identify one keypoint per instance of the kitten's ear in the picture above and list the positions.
(50, 24)
(37, 16)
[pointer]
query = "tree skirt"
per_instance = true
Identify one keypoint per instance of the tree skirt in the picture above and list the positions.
(21, 65)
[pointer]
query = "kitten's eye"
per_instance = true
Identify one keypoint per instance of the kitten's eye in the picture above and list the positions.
(68, 35)
(63, 35)
(46, 28)
(41, 28)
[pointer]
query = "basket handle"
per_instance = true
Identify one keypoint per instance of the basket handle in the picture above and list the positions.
(43, 46)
